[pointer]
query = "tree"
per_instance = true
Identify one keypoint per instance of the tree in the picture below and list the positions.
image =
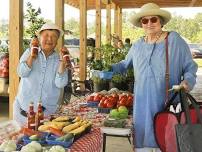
(34, 21)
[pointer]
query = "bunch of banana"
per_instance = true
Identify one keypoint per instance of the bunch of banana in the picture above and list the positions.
(54, 124)
(77, 119)
(83, 126)
(61, 119)
(70, 127)
(78, 130)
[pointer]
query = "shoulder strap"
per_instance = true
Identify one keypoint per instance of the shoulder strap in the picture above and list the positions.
(167, 69)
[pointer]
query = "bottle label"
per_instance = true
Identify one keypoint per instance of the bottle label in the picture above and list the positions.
(32, 125)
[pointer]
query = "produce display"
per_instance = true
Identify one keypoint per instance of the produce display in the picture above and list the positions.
(61, 130)
(119, 113)
(107, 100)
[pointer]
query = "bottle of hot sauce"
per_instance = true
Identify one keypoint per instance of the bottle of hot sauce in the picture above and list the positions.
(35, 45)
(31, 117)
(39, 116)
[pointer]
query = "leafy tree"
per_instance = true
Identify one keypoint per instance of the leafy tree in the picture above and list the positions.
(4, 29)
(34, 21)
(73, 25)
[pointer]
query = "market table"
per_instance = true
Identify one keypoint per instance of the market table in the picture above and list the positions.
(77, 108)
(92, 141)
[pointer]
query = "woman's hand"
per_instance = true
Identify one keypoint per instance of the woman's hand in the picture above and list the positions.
(185, 85)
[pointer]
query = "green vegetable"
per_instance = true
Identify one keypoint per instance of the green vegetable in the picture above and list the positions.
(66, 137)
(34, 137)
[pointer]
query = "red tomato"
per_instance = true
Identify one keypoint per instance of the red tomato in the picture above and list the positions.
(110, 105)
(90, 98)
(100, 96)
(106, 102)
(130, 97)
(115, 96)
(101, 105)
(122, 96)
(104, 97)
(96, 98)
(123, 102)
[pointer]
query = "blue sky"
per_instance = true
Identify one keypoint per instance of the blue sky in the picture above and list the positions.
(48, 10)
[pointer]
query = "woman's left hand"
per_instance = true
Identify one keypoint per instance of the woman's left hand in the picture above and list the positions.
(185, 85)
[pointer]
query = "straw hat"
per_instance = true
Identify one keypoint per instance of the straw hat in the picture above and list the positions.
(50, 26)
(150, 9)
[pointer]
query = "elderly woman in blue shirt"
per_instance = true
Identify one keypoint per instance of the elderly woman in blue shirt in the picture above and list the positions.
(148, 58)
(43, 75)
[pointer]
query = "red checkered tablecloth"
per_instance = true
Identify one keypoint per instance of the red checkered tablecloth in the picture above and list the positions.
(91, 142)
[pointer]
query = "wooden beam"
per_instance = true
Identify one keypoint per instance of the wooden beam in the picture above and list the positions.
(83, 41)
(15, 48)
(59, 20)
(193, 2)
(108, 24)
(120, 23)
(98, 24)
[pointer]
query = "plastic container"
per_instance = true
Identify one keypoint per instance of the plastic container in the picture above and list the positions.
(105, 75)
(26, 140)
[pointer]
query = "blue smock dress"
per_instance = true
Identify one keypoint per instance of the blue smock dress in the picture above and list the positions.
(149, 63)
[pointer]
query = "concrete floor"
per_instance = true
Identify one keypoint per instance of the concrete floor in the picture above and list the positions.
(118, 144)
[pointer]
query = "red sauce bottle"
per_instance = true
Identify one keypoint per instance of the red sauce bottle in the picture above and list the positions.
(35, 45)
(31, 117)
(39, 118)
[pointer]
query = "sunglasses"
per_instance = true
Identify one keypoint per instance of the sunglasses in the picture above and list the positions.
(146, 20)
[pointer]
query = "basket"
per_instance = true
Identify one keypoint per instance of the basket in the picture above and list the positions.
(104, 110)
(92, 104)
(51, 140)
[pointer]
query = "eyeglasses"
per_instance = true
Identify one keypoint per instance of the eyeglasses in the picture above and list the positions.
(146, 20)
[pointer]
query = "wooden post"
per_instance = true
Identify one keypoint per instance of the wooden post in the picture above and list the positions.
(59, 20)
(98, 24)
(116, 19)
(108, 24)
(120, 23)
(83, 41)
(15, 48)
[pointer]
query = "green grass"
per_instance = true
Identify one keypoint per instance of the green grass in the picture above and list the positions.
(199, 62)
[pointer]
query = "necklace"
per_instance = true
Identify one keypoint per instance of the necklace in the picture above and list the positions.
(156, 39)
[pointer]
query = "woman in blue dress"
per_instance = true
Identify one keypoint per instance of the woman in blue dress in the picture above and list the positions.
(148, 58)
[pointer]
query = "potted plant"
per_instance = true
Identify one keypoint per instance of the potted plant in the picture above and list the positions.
(119, 81)
(100, 84)
(130, 79)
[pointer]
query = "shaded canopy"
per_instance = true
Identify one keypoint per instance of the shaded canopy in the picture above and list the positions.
(138, 3)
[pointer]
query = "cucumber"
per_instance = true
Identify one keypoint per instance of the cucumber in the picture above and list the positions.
(66, 137)
(34, 138)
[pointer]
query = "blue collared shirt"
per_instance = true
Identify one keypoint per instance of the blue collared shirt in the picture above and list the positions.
(41, 82)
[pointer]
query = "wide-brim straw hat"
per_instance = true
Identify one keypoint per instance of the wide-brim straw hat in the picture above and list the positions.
(150, 9)
(49, 26)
